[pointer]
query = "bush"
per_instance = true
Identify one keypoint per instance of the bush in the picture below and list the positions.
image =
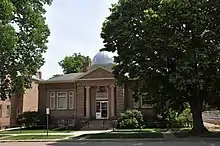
(130, 119)
(185, 118)
(28, 119)
(173, 119)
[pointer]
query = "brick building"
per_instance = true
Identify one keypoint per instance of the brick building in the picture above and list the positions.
(10, 108)
(91, 97)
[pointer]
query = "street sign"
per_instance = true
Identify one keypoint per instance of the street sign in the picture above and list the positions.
(47, 111)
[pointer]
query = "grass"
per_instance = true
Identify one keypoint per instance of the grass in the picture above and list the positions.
(135, 130)
(142, 130)
(32, 131)
(152, 130)
(122, 135)
(31, 137)
(3, 136)
(181, 129)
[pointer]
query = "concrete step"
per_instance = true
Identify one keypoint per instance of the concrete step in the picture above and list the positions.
(97, 125)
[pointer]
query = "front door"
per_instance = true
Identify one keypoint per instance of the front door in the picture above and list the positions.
(101, 109)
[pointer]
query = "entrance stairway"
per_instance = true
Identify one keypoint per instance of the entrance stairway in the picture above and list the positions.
(97, 125)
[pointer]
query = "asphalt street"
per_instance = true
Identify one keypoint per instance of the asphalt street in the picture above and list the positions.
(201, 143)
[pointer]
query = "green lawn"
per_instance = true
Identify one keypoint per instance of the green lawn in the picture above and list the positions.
(121, 135)
(136, 130)
(33, 131)
(142, 130)
(152, 130)
(181, 129)
(31, 137)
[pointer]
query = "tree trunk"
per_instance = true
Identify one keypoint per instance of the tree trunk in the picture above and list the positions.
(196, 109)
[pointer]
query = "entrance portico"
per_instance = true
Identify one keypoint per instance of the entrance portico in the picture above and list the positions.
(100, 101)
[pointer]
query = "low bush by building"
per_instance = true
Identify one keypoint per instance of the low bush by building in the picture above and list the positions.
(28, 119)
(130, 119)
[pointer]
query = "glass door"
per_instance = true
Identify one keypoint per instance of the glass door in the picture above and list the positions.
(104, 109)
(101, 109)
(98, 110)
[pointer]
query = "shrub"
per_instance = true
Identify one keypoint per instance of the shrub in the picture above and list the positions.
(185, 118)
(173, 119)
(130, 119)
(28, 119)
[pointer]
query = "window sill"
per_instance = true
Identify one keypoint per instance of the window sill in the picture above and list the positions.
(62, 109)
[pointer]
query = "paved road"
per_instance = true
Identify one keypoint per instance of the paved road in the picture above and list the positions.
(202, 143)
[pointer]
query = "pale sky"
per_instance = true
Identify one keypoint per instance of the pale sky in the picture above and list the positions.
(75, 26)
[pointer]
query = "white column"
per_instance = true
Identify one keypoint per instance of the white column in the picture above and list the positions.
(112, 100)
(87, 101)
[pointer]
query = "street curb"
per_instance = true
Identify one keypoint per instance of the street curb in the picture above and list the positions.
(110, 140)
(52, 140)
(130, 140)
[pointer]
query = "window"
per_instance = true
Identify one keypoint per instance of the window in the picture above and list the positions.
(101, 92)
(0, 110)
(61, 122)
(18, 111)
(8, 110)
(143, 103)
(71, 100)
(123, 93)
(61, 100)
(71, 122)
(52, 100)
(146, 103)
(101, 89)
(135, 104)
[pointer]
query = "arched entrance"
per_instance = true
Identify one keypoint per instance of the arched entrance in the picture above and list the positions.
(101, 102)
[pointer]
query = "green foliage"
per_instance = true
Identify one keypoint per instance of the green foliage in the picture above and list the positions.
(28, 119)
(74, 63)
(130, 119)
(171, 48)
(23, 41)
(176, 119)
(185, 118)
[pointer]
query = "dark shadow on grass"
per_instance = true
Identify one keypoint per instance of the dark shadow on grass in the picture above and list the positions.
(122, 135)
(111, 135)
(188, 134)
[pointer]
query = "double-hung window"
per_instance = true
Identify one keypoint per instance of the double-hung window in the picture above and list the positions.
(71, 100)
(61, 100)
(52, 100)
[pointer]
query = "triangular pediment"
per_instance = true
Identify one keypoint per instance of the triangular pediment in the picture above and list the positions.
(99, 72)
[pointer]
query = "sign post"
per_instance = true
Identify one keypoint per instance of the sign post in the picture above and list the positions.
(47, 113)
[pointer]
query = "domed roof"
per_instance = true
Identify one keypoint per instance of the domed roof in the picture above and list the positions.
(102, 58)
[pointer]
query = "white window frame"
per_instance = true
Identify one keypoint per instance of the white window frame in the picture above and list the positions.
(71, 104)
(52, 98)
(65, 96)
(8, 110)
(1, 110)
(135, 103)
(146, 105)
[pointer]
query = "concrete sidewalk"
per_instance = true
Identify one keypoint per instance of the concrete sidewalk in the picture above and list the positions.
(74, 133)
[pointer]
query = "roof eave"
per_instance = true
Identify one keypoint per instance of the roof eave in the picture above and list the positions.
(59, 81)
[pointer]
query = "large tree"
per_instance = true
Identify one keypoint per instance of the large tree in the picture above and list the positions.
(171, 48)
(74, 63)
(23, 38)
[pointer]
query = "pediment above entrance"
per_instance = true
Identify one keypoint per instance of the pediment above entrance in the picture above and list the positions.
(99, 72)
